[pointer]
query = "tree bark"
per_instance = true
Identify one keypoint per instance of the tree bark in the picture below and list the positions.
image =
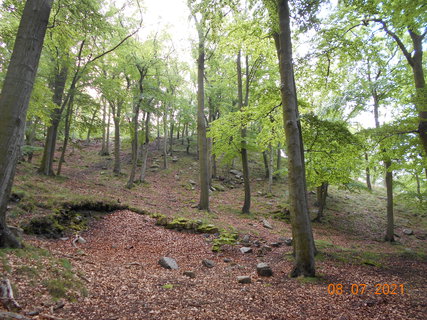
(390, 214)
(46, 166)
(145, 148)
(68, 119)
(14, 100)
(243, 150)
(322, 193)
(116, 110)
(270, 170)
(266, 167)
(301, 225)
(105, 128)
(201, 124)
(368, 173)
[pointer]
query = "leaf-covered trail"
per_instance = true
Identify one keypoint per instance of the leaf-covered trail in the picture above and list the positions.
(124, 280)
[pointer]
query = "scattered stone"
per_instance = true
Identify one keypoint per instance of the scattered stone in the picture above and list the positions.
(245, 250)
(64, 238)
(259, 179)
(208, 263)
(244, 279)
(266, 224)
(408, 232)
(237, 173)
(33, 313)
(154, 166)
(174, 159)
(212, 188)
(257, 243)
(192, 182)
(219, 187)
(276, 244)
(176, 177)
(246, 239)
(288, 242)
(168, 263)
(264, 270)
(104, 168)
(264, 249)
(227, 260)
(190, 274)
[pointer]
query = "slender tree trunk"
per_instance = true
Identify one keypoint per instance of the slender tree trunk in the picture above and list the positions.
(201, 124)
(14, 99)
(419, 195)
(265, 159)
(270, 170)
(165, 139)
(92, 119)
(368, 173)
(278, 160)
(135, 116)
(107, 142)
(301, 226)
(104, 147)
(116, 119)
(243, 150)
(68, 119)
(46, 166)
(145, 148)
(172, 125)
(390, 214)
(31, 137)
(322, 193)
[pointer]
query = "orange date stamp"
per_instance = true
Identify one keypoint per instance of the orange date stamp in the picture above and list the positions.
(362, 288)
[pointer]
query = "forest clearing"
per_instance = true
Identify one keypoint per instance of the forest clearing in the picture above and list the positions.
(213, 159)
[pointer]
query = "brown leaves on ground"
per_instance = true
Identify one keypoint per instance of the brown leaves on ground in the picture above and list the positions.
(118, 265)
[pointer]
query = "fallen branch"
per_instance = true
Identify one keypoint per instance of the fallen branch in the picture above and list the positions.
(7, 298)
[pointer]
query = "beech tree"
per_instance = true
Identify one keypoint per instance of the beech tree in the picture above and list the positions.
(14, 99)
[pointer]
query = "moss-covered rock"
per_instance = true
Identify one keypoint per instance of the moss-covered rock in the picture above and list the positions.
(207, 228)
(47, 226)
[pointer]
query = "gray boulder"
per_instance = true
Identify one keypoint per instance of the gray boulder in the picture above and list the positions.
(244, 279)
(245, 250)
(264, 270)
(168, 263)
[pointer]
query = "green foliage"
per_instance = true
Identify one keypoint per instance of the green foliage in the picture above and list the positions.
(333, 153)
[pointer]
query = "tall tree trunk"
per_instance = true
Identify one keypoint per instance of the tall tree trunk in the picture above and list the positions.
(301, 225)
(14, 99)
(46, 166)
(278, 161)
(135, 116)
(165, 139)
(243, 150)
(322, 193)
(266, 167)
(104, 149)
(92, 119)
(145, 148)
(116, 110)
(201, 124)
(32, 127)
(172, 125)
(368, 173)
(390, 215)
(270, 170)
(68, 119)
(107, 142)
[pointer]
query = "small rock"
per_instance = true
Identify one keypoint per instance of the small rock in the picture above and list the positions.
(421, 236)
(227, 260)
(259, 179)
(245, 250)
(154, 166)
(408, 232)
(192, 182)
(236, 172)
(244, 279)
(257, 243)
(208, 263)
(168, 263)
(276, 244)
(190, 274)
(104, 168)
(176, 177)
(288, 242)
(266, 224)
(17, 232)
(246, 239)
(264, 270)
(174, 159)
(33, 313)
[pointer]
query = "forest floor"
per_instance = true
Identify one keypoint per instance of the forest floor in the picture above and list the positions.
(115, 274)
